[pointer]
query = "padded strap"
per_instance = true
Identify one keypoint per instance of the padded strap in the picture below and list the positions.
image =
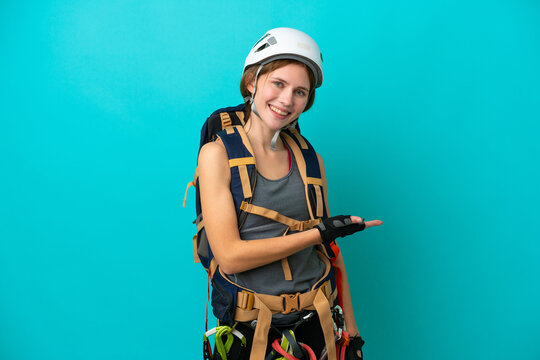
(300, 161)
(299, 137)
(245, 138)
(324, 186)
(241, 115)
(241, 163)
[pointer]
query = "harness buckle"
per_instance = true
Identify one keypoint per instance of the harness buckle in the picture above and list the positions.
(290, 303)
(245, 300)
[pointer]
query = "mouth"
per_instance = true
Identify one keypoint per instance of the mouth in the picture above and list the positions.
(279, 112)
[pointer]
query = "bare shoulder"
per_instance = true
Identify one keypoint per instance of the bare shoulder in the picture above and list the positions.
(212, 153)
(213, 160)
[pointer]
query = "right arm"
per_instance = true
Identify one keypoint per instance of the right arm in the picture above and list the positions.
(233, 254)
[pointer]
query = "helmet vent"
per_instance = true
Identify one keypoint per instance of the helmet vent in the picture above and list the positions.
(272, 41)
(261, 39)
(262, 47)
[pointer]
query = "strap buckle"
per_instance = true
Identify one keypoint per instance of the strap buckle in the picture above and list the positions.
(245, 300)
(304, 225)
(243, 205)
(290, 303)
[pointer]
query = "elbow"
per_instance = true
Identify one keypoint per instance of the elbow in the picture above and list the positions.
(230, 264)
(229, 267)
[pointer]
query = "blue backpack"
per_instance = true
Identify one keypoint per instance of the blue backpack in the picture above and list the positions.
(230, 301)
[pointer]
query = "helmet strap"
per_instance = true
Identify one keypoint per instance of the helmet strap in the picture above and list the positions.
(276, 135)
(274, 140)
(252, 97)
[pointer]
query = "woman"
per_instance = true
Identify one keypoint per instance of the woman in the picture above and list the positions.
(279, 80)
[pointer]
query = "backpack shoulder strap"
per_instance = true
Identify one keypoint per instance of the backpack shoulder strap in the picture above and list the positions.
(241, 162)
(217, 121)
(314, 183)
(310, 171)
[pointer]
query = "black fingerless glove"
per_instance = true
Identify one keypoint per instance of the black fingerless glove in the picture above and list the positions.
(355, 345)
(338, 226)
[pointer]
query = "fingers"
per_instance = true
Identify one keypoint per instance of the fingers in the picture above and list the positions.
(373, 223)
(370, 223)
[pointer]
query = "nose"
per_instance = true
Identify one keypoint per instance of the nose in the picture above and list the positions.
(286, 97)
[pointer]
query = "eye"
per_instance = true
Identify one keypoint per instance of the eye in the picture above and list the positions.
(278, 83)
(300, 92)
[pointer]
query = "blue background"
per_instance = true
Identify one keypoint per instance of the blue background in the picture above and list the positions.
(427, 119)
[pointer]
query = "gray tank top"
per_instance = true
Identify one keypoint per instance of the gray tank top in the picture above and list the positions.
(287, 197)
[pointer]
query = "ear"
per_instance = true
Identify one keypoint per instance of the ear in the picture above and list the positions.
(248, 81)
(250, 86)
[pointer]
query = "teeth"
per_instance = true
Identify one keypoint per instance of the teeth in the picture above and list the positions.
(278, 111)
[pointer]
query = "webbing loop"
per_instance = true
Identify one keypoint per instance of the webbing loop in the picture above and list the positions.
(225, 120)
(242, 161)
(190, 184)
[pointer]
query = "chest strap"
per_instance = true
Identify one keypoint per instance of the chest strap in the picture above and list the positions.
(292, 225)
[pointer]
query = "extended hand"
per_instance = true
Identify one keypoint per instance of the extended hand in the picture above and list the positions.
(343, 225)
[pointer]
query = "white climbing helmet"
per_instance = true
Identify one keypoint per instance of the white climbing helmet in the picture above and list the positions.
(287, 43)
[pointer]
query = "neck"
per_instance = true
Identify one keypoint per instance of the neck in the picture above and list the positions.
(261, 136)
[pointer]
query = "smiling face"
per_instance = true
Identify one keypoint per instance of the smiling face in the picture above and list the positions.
(282, 95)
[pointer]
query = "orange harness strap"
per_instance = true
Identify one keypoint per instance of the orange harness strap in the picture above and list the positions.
(251, 306)
(261, 307)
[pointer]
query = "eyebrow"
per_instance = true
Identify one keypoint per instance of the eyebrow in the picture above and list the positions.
(280, 79)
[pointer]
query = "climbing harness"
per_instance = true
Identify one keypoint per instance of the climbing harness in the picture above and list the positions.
(288, 347)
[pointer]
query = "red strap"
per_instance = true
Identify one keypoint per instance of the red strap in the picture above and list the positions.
(277, 347)
(209, 349)
(337, 271)
(339, 285)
